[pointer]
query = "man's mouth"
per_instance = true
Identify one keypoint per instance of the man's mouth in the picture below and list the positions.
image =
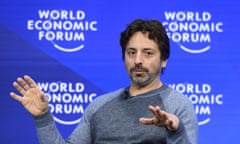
(138, 71)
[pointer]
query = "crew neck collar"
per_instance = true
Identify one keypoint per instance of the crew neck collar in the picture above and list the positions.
(148, 93)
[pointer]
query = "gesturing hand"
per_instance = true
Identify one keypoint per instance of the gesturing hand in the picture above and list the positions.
(161, 118)
(32, 98)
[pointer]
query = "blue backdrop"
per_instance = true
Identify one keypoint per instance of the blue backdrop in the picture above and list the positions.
(71, 48)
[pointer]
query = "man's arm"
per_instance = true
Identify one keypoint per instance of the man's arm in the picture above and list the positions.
(182, 107)
(175, 128)
(46, 130)
(48, 133)
(34, 101)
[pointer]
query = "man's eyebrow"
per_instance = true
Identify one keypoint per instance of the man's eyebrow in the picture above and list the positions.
(148, 49)
(131, 48)
(144, 49)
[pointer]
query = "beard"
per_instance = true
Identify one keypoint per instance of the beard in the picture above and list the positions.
(145, 77)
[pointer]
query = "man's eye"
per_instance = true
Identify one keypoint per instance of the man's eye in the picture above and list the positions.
(148, 53)
(131, 52)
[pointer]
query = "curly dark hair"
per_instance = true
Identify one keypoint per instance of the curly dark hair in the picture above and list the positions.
(155, 30)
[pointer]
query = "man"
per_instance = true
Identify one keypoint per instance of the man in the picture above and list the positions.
(147, 111)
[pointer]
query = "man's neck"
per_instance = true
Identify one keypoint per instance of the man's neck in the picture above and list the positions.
(135, 90)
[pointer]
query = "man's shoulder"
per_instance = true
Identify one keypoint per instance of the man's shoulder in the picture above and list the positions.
(174, 100)
(170, 93)
(104, 98)
(109, 95)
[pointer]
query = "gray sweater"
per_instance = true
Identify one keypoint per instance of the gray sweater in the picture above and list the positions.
(113, 118)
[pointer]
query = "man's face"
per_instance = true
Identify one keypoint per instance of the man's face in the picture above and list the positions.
(142, 59)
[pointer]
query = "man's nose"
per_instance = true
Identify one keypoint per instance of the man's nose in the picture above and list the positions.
(138, 59)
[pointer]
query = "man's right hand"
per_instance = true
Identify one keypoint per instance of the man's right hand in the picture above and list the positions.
(32, 98)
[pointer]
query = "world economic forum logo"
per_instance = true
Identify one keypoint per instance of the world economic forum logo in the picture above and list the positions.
(192, 31)
(65, 29)
(202, 97)
(67, 100)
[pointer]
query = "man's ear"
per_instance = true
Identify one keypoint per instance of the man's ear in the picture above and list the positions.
(164, 63)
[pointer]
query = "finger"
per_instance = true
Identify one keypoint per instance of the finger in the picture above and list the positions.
(160, 113)
(160, 116)
(23, 83)
(19, 88)
(163, 115)
(147, 121)
(16, 97)
(156, 111)
(170, 123)
(30, 81)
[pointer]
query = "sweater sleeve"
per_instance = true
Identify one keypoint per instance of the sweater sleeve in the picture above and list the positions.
(182, 107)
(46, 130)
(49, 134)
(179, 136)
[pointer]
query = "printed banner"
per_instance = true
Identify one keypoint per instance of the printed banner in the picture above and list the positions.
(71, 48)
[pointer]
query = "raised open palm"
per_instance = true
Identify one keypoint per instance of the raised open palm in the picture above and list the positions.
(32, 98)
